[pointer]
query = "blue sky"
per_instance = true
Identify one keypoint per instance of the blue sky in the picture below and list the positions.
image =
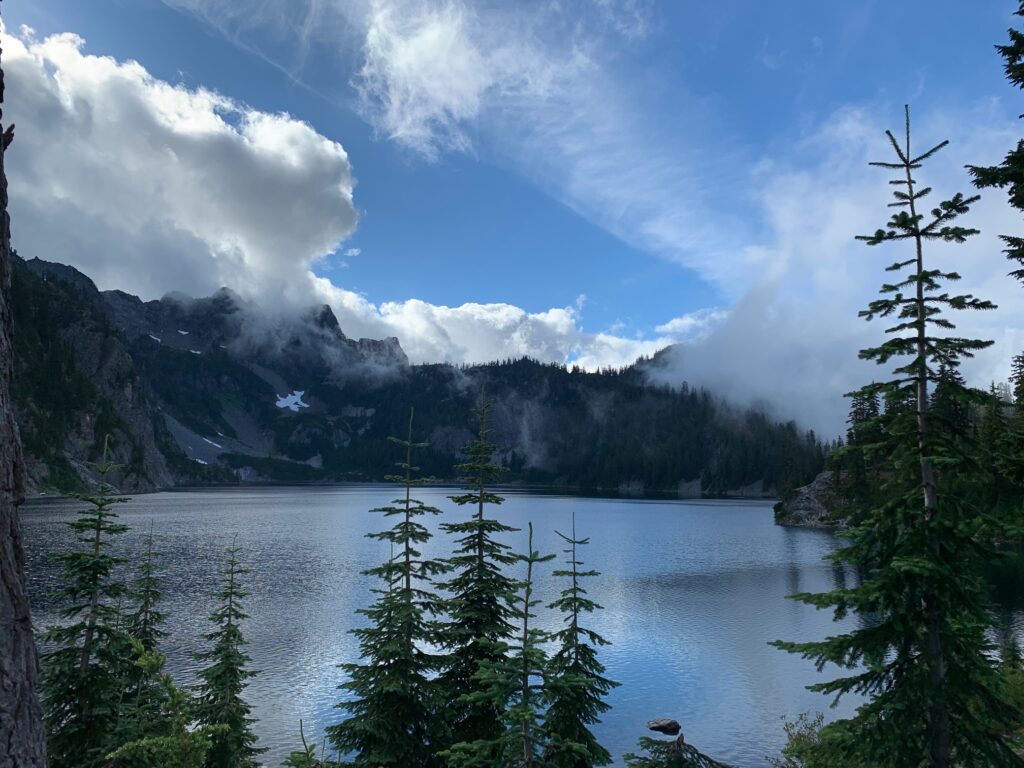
(530, 154)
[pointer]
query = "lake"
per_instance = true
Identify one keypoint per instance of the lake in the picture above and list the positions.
(692, 591)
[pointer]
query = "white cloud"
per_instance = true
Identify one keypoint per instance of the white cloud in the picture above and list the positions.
(149, 188)
(535, 86)
(152, 187)
(473, 333)
(793, 339)
(694, 325)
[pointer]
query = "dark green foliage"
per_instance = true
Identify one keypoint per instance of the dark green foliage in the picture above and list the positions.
(480, 595)
(145, 689)
(670, 754)
(1017, 381)
(50, 391)
(171, 740)
(310, 756)
(575, 685)
(513, 684)
(84, 673)
(921, 653)
(146, 623)
(394, 716)
(219, 702)
(1009, 174)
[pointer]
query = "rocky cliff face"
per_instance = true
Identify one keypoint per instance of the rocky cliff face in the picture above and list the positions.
(219, 390)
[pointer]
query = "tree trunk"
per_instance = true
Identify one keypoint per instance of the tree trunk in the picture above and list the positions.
(938, 732)
(22, 738)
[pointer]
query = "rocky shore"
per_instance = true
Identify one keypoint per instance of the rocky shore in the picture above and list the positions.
(812, 506)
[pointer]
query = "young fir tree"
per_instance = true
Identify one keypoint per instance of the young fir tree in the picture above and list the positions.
(219, 702)
(575, 685)
(145, 688)
(146, 623)
(513, 685)
(480, 594)
(1009, 174)
(921, 655)
(83, 674)
(174, 740)
(394, 717)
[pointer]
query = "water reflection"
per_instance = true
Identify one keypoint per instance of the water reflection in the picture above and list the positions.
(693, 592)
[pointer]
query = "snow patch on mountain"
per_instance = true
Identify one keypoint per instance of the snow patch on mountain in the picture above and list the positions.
(292, 402)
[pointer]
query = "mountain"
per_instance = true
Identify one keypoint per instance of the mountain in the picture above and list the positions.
(218, 390)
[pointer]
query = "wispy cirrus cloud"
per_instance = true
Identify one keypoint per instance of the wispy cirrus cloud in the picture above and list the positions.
(536, 87)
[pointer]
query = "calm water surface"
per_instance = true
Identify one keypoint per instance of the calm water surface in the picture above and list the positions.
(693, 592)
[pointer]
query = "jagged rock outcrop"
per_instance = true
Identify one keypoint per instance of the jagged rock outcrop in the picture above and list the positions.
(811, 506)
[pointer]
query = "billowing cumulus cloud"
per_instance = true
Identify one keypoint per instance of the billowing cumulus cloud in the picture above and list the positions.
(152, 187)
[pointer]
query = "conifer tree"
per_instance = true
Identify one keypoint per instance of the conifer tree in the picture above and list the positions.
(146, 623)
(1009, 174)
(219, 704)
(394, 718)
(1017, 381)
(83, 674)
(575, 685)
(922, 658)
(145, 688)
(663, 753)
(513, 685)
(480, 595)
(173, 740)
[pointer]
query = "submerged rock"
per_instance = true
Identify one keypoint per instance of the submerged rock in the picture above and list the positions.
(664, 725)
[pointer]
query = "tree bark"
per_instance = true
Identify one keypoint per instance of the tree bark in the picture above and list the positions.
(22, 738)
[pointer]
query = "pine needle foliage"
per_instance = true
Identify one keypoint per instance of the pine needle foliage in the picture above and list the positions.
(513, 685)
(219, 702)
(172, 740)
(575, 684)
(83, 674)
(1009, 174)
(145, 689)
(480, 594)
(146, 622)
(662, 753)
(394, 715)
(921, 653)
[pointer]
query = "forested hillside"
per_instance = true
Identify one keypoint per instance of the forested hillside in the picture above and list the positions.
(216, 390)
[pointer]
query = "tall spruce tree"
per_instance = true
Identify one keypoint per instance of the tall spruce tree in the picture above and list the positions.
(84, 673)
(513, 685)
(1009, 174)
(480, 595)
(219, 703)
(394, 718)
(921, 653)
(575, 685)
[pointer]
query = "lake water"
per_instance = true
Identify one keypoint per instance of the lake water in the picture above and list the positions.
(692, 594)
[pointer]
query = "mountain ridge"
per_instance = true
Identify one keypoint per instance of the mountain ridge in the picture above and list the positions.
(218, 390)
